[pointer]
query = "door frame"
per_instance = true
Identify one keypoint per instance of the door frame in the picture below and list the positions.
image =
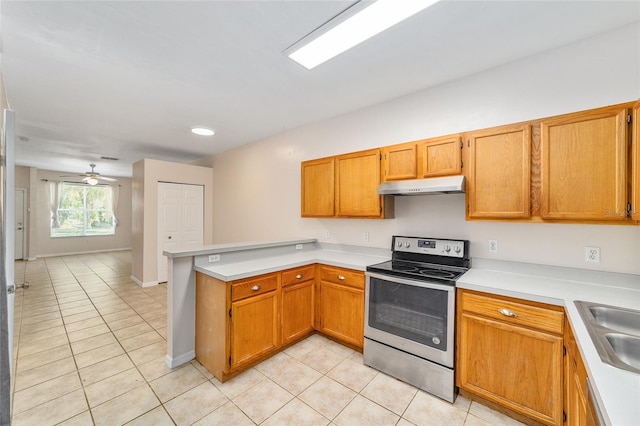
(24, 222)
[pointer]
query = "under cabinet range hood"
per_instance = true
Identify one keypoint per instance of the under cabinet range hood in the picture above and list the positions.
(439, 185)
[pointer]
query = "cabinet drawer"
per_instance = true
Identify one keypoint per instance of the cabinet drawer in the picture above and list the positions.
(341, 276)
(514, 311)
(297, 275)
(253, 286)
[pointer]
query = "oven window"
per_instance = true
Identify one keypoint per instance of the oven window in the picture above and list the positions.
(415, 313)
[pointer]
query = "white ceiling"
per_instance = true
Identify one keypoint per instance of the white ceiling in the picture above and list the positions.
(129, 79)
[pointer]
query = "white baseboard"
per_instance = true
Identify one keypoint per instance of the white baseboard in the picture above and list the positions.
(182, 359)
(141, 284)
(80, 252)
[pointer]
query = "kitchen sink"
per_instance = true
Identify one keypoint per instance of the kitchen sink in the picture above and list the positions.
(615, 333)
(623, 320)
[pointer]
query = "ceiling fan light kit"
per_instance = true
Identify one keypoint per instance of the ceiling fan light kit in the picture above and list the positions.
(92, 177)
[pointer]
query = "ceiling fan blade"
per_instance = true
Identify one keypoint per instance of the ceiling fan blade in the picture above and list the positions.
(106, 178)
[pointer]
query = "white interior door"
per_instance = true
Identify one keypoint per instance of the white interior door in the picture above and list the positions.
(20, 223)
(180, 220)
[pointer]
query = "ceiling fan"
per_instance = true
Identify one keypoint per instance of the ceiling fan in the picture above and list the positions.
(93, 177)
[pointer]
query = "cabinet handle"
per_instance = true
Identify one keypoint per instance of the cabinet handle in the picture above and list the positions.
(299, 276)
(256, 288)
(341, 277)
(508, 313)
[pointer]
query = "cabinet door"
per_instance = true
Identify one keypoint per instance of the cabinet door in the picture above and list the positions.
(342, 313)
(575, 382)
(254, 328)
(440, 156)
(399, 162)
(584, 165)
(516, 367)
(318, 188)
(357, 181)
(297, 311)
(635, 164)
(499, 173)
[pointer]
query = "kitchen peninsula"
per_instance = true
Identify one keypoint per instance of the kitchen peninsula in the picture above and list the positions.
(616, 391)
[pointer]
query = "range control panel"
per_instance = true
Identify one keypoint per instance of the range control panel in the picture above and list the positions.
(433, 246)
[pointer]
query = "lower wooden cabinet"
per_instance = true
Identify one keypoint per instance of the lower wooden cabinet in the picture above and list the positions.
(242, 322)
(510, 353)
(341, 305)
(578, 409)
(298, 300)
(253, 328)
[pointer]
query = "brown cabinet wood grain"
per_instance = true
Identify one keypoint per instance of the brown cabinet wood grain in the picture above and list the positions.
(575, 374)
(584, 165)
(440, 156)
(635, 164)
(357, 181)
(318, 188)
(399, 162)
(253, 328)
(499, 173)
(297, 311)
(517, 366)
(341, 305)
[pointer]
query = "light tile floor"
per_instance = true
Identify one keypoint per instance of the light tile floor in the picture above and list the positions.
(90, 345)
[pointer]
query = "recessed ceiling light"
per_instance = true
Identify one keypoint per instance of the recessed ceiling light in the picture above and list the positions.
(202, 131)
(352, 27)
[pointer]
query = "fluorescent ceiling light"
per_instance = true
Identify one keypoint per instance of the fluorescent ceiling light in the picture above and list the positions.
(202, 131)
(364, 24)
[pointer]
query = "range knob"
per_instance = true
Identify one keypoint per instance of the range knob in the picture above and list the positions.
(399, 243)
(447, 248)
(456, 249)
(407, 244)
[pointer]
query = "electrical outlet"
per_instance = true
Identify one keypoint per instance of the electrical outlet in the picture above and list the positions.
(365, 236)
(493, 246)
(298, 246)
(592, 254)
(214, 258)
(327, 234)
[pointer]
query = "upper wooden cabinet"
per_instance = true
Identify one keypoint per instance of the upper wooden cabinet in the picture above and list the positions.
(357, 181)
(318, 183)
(344, 186)
(584, 165)
(498, 182)
(440, 156)
(399, 162)
(635, 164)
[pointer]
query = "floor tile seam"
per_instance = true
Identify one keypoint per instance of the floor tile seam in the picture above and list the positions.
(13, 413)
(144, 383)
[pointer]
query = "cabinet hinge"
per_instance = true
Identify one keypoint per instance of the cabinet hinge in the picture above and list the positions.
(462, 164)
(564, 417)
(229, 313)
(564, 351)
(380, 157)
(629, 209)
(468, 142)
(461, 144)
(629, 118)
(229, 360)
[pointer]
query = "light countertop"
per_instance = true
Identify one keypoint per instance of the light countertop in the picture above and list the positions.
(617, 391)
(253, 267)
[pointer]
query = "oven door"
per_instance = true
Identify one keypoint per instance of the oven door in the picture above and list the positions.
(414, 316)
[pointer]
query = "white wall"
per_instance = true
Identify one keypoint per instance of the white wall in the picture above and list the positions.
(40, 219)
(257, 187)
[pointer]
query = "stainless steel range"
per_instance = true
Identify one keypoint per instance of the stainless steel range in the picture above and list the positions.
(410, 312)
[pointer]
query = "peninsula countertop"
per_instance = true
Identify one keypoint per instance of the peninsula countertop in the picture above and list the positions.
(617, 391)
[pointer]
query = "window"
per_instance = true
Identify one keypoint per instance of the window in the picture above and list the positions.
(84, 211)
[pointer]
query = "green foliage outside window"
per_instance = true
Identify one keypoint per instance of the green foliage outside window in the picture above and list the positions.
(84, 211)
